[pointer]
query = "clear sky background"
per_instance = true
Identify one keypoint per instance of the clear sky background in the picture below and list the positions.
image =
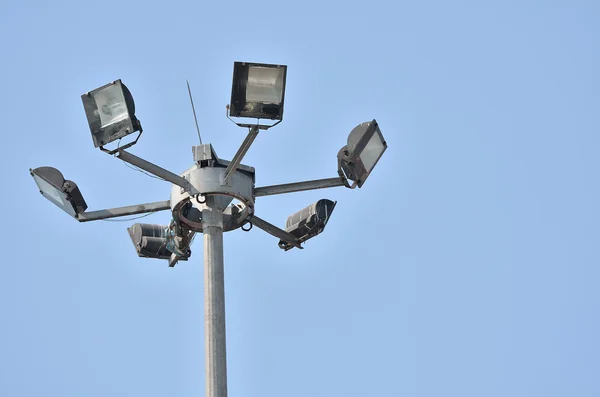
(467, 265)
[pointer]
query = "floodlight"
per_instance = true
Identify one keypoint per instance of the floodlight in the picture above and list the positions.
(365, 147)
(157, 241)
(150, 241)
(257, 91)
(308, 222)
(110, 112)
(63, 193)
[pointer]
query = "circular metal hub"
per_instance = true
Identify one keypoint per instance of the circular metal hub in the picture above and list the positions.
(187, 208)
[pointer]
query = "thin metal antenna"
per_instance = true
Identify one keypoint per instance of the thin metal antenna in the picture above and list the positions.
(194, 110)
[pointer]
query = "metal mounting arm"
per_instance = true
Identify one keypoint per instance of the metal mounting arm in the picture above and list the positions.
(124, 211)
(156, 170)
(299, 186)
(275, 231)
(237, 159)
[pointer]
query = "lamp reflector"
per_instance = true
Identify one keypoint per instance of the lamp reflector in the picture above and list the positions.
(372, 152)
(365, 147)
(265, 85)
(111, 105)
(258, 90)
(110, 112)
(55, 195)
(62, 193)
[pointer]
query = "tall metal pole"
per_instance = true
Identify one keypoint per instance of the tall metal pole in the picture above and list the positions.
(214, 301)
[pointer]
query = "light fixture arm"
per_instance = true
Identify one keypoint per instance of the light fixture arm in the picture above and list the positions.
(237, 158)
(130, 144)
(156, 170)
(275, 231)
(124, 211)
(300, 186)
(342, 155)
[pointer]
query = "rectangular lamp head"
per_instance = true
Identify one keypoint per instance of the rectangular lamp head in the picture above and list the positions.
(150, 241)
(156, 241)
(365, 147)
(110, 112)
(258, 90)
(308, 222)
(62, 193)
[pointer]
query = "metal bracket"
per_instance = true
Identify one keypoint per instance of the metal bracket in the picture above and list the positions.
(299, 186)
(237, 158)
(342, 158)
(124, 211)
(259, 126)
(130, 144)
(156, 170)
(275, 231)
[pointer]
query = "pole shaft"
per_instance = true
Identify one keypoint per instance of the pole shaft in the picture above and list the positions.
(214, 303)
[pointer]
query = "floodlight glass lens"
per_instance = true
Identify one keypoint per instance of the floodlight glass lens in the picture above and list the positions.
(372, 151)
(111, 105)
(264, 85)
(54, 195)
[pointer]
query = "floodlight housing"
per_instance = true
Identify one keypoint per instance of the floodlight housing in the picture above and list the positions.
(365, 147)
(150, 241)
(308, 222)
(63, 193)
(110, 112)
(258, 90)
(157, 241)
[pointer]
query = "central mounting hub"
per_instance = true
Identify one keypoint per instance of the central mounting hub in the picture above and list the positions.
(207, 177)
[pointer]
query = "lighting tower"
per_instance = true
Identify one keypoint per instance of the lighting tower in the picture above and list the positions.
(202, 197)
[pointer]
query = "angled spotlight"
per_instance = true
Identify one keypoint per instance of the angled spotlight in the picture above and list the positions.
(156, 241)
(110, 112)
(308, 222)
(365, 147)
(63, 193)
(150, 241)
(258, 90)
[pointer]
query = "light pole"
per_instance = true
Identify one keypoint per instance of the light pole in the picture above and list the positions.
(202, 197)
(214, 301)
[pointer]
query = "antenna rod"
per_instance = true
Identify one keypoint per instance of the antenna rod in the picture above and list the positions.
(194, 110)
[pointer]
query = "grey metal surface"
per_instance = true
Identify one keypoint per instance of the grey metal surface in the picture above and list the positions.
(112, 96)
(207, 182)
(259, 126)
(308, 222)
(65, 194)
(298, 186)
(237, 158)
(154, 169)
(240, 167)
(149, 240)
(244, 104)
(124, 211)
(275, 231)
(214, 302)
(359, 157)
(173, 260)
(207, 153)
(204, 152)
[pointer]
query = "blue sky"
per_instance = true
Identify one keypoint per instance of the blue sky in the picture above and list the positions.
(466, 266)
